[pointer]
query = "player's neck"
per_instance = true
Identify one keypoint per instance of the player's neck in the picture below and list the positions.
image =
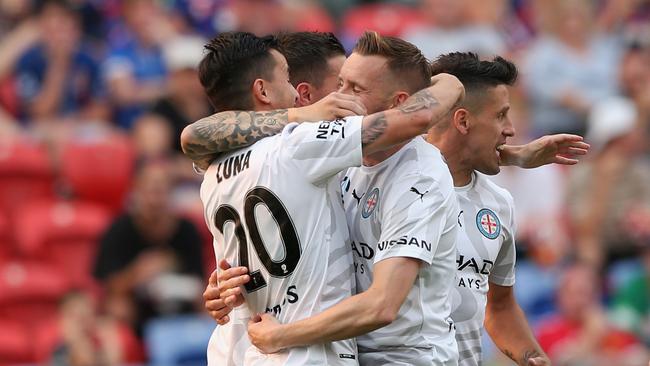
(379, 156)
(453, 154)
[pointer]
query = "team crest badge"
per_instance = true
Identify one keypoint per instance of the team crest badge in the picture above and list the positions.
(371, 203)
(488, 223)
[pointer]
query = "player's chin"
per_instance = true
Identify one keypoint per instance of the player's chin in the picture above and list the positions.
(491, 168)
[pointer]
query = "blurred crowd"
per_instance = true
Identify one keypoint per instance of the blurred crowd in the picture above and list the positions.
(104, 251)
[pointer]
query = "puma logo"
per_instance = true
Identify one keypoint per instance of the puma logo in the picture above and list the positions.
(358, 198)
(415, 190)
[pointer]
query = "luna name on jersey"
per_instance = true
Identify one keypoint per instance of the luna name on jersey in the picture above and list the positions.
(233, 166)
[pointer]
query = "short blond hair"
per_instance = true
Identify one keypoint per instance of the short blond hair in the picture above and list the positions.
(404, 59)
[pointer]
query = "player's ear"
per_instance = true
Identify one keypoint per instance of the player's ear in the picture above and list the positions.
(399, 98)
(461, 120)
(260, 92)
(304, 93)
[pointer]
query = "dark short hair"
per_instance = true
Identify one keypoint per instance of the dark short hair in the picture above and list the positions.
(476, 74)
(307, 54)
(232, 62)
(404, 59)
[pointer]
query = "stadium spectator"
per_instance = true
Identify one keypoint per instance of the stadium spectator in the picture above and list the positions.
(569, 67)
(580, 332)
(610, 186)
(150, 260)
(634, 77)
(631, 309)
(87, 339)
(135, 68)
(58, 76)
(451, 29)
(185, 101)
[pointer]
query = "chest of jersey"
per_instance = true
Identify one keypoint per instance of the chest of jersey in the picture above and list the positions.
(362, 200)
(480, 238)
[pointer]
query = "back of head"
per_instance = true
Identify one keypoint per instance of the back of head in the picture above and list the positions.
(405, 61)
(476, 75)
(230, 66)
(307, 54)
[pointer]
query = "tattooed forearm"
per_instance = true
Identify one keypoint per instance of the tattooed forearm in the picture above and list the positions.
(374, 129)
(418, 101)
(226, 131)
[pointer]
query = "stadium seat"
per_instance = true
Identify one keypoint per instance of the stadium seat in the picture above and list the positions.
(30, 291)
(98, 167)
(25, 174)
(8, 96)
(15, 342)
(66, 236)
(7, 248)
(387, 19)
(180, 340)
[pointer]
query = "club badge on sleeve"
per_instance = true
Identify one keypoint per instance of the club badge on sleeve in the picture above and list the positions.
(488, 223)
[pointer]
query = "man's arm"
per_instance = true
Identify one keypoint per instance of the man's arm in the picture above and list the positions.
(221, 132)
(372, 309)
(552, 149)
(506, 324)
(414, 117)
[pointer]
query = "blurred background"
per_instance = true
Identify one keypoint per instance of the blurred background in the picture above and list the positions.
(104, 252)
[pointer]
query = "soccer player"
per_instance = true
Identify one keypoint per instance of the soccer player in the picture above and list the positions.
(315, 59)
(401, 210)
(470, 139)
(542, 151)
(278, 197)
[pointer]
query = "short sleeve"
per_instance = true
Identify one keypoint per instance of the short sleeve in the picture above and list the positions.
(414, 217)
(503, 271)
(321, 150)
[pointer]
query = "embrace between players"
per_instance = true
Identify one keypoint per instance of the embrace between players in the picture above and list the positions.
(370, 236)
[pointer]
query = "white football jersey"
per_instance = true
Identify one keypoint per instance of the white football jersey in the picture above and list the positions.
(405, 206)
(275, 207)
(486, 253)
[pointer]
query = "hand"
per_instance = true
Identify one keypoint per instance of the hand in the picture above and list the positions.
(223, 292)
(334, 105)
(553, 149)
(538, 361)
(263, 332)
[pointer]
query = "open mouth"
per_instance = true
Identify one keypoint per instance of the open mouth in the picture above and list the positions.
(498, 151)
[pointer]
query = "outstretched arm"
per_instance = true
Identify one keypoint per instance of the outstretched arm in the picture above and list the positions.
(506, 324)
(552, 149)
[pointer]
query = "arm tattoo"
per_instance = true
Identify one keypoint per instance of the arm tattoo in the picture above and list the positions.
(509, 354)
(226, 131)
(418, 101)
(375, 128)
